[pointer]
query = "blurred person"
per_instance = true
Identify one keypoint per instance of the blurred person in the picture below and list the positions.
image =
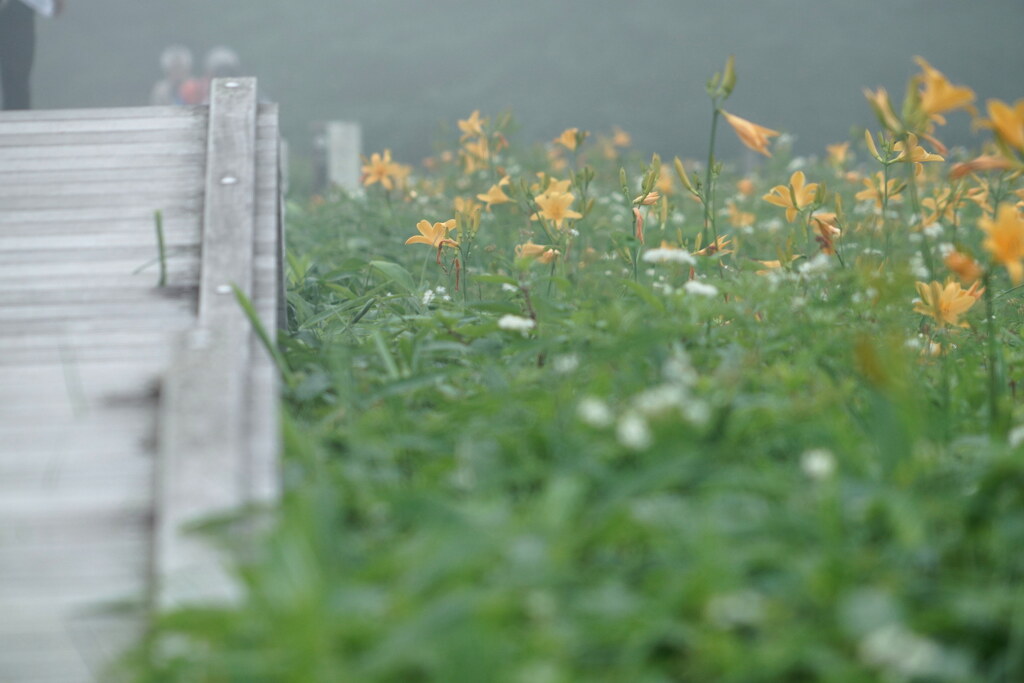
(18, 44)
(176, 63)
(220, 62)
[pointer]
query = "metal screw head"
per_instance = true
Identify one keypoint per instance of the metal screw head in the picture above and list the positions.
(232, 84)
(223, 289)
(228, 180)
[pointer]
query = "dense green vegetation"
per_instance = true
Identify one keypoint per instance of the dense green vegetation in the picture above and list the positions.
(553, 450)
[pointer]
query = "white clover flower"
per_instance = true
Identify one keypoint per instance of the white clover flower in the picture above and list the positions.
(516, 323)
(662, 255)
(679, 369)
(820, 263)
(731, 610)
(698, 288)
(933, 230)
(918, 268)
(566, 363)
(818, 464)
(633, 433)
(773, 225)
(506, 287)
(945, 249)
(428, 296)
(595, 412)
(697, 413)
(659, 400)
(902, 653)
(796, 164)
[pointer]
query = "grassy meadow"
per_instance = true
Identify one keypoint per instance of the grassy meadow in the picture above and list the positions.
(561, 413)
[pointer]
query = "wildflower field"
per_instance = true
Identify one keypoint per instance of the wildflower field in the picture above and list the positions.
(560, 413)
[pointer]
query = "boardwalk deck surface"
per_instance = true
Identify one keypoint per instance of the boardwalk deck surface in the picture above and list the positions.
(109, 383)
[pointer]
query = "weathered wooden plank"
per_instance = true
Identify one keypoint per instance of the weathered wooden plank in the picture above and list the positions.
(201, 466)
(58, 138)
(193, 148)
(145, 188)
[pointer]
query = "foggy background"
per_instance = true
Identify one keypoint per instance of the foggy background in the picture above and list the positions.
(405, 68)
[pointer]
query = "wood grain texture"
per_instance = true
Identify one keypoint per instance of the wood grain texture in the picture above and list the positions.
(102, 372)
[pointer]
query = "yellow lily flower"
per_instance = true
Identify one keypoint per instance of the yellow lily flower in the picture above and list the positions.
(621, 138)
(495, 195)
(474, 125)
(793, 197)
(945, 304)
(542, 253)
(1005, 239)
(381, 169)
(571, 138)
(750, 134)
(963, 266)
(874, 189)
(435, 235)
(651, 198)
(554, 206)
(879, 101)
(938, 95)
(918, 154)
(737, 217)
(837, 153)
(1007, 122)
(554, 186)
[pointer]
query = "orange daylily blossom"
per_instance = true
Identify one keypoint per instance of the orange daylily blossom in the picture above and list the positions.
(474, 125)
(918, 154)
(750, 134)
(828, 230)
(737, 217)
(648, 199)
(1005, 239)
(793, 197)
(467, 207)
(938, 95)
(495, 195)
(774, 264)
(554, 206)
(985, 162)
(874, 189)
(554, 186)
(638, 225)
(945, 303)
(941, 206)
(722, 245)
(879, 101)
(963, 266)
(1007, 122)
(381, 169)
(621, 138)
(570, 138)
(542, 253)
(435, 235)
(980, 194)
(665, 184)
(837, 153)
(745, 186)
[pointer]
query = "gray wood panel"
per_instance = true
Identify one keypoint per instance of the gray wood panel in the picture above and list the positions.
(90, 349)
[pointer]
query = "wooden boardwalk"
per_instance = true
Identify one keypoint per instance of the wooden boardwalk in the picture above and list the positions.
(128, 409)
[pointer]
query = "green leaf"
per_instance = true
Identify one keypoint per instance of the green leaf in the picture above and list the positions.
(396, 274)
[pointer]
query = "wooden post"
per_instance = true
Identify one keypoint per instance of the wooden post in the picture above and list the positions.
(202, 469)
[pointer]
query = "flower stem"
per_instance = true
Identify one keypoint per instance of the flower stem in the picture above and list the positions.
(995, 418)
(709, 192)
